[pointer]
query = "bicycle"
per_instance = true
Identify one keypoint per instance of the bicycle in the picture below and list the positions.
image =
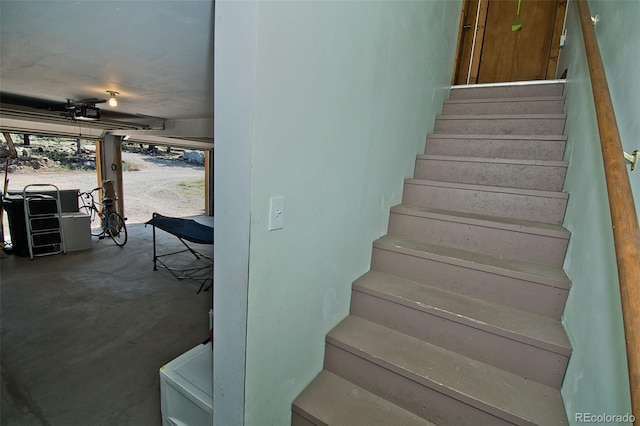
(104, 220)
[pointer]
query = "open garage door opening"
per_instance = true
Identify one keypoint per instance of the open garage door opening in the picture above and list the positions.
(163, 179)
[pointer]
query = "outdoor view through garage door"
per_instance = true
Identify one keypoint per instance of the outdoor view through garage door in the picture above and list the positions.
(155, 180)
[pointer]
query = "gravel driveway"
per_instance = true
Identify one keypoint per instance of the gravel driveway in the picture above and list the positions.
(158, 185)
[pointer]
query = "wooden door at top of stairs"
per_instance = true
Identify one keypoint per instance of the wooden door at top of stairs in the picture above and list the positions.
(489, 51)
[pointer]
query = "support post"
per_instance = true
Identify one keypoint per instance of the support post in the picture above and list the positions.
(208, 183)
(111, 166)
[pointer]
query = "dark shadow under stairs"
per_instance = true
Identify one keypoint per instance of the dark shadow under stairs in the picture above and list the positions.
(458, 320)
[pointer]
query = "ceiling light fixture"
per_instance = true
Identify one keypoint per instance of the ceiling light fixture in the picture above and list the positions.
(113, 101)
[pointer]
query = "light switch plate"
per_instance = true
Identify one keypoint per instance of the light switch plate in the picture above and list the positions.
(276, 213)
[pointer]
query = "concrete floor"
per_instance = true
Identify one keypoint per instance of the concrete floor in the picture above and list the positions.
(84, 334)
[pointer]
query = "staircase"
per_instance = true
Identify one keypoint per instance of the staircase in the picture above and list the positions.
(458, 320)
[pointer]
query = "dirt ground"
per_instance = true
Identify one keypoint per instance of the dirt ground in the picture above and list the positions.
(154, 184)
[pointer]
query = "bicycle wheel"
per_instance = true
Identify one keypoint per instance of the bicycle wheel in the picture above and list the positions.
(94, 219)
(117, 229)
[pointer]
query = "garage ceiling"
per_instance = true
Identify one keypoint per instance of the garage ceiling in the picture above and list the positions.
(157, 54)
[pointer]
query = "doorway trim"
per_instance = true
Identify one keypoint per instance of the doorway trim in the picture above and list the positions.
(473, 16)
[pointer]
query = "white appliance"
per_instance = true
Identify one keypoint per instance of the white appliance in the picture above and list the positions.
(76, 229)
(186, 388)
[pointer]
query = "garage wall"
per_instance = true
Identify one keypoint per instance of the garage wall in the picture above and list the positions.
(345, 93)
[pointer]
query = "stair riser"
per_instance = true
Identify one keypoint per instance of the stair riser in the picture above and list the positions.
(424, 401)
(529, 91)
(526, 176)
(514, 206)
(493, 241)
(487, 108)
(500, 126)
(518, 149)
(473, 281)
(490, 347)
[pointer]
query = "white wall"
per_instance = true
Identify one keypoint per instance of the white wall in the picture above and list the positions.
(596, 380)
(344, 94)
(235, 48)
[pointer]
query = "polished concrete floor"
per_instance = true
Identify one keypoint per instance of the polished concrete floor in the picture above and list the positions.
(84, 334)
